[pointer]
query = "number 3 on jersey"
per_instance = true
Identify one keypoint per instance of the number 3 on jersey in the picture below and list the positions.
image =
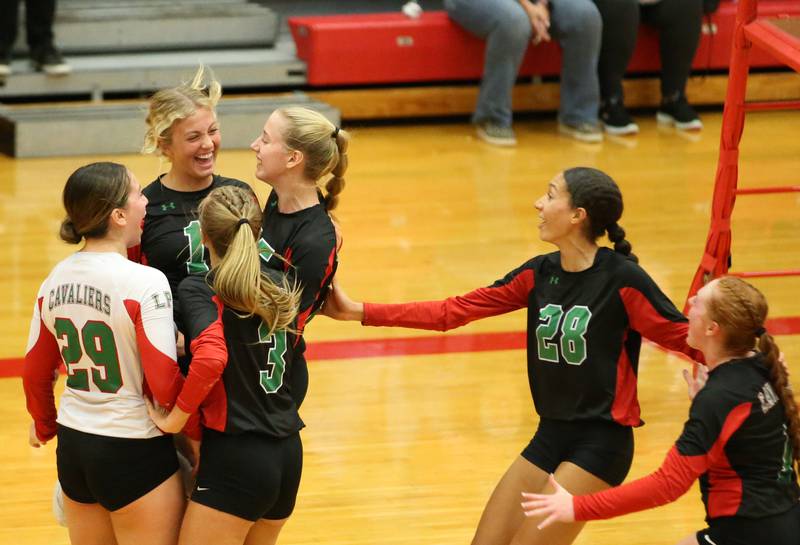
(573, 330)
(272, 379)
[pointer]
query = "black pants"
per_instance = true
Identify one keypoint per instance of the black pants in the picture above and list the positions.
(678, 23)
(38, 22)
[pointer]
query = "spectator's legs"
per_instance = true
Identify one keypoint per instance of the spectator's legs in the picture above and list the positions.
(507, 30)
(8, 25)
(39, 16)
(678, 22)
(620, 26)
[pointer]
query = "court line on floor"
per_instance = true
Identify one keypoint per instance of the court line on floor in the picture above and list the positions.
(416, 346)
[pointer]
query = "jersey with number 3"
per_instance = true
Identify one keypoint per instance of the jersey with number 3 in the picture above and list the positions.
(109, 321)
(171, 233)
(584, 330)
(240, 372)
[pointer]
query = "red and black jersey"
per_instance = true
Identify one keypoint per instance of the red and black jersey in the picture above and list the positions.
(171, 239)
(306, 240)
(735, 440)
(240, 376)
(584, 330)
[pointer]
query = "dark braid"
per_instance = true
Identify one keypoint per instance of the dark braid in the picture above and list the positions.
(595, 192)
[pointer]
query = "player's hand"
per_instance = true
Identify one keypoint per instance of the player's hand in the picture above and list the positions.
(167, 421)
(555, 507)
(696, 383)
(190, 448)
(340, 307)
(33, 439)
(540, 21)
(180, 345)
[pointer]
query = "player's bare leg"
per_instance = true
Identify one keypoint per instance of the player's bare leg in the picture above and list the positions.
(265, 532)
(88, 523)
(155, 518)
(204, 525)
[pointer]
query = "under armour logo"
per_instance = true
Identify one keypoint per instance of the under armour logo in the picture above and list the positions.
(554, 280)
(168, 206)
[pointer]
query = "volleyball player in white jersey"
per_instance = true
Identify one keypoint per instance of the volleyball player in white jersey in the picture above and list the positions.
(109, 321)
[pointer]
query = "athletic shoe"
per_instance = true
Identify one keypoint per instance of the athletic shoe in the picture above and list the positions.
(495, 134)
(615, 118)
(49, 60)
(679, 113)
(585, 132)
(58, 505)
(5, 64)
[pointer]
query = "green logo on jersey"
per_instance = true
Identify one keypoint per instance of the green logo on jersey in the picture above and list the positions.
(168, 206)
(554, 280)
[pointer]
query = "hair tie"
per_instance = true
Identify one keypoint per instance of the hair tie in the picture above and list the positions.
(760, 331)
(335, 133)
(243, 221)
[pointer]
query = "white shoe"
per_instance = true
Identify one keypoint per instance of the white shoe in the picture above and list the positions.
(58, 505)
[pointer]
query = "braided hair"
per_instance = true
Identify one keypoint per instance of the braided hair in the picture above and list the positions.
(595, 192)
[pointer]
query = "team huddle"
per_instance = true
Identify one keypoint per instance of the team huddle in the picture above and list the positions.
(181, 320)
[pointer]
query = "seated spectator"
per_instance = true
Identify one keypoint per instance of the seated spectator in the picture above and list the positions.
(678, 23)
(508, 26)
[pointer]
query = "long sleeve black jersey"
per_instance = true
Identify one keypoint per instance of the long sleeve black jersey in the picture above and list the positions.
(171, 234)
(238, 375)
(735, 440)
(306, 240)
(584, 330)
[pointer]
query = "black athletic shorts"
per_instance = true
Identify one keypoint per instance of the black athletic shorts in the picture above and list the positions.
(604, 449)
(112, 471)
(783, 529)
(249, 475)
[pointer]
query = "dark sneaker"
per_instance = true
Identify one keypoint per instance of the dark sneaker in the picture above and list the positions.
(678, 112)
(49, 60)
(615, 118)
(5, 64)
(585, 132)
(495, 134)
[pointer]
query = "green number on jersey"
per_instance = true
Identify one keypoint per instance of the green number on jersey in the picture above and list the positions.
(99, 345)
(786, 473)
(196, 263)
(77, 379)
(272, 379)
(265, 250)
(573, 331)
(549, 318)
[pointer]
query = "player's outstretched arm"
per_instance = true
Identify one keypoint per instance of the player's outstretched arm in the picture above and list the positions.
(339, 306)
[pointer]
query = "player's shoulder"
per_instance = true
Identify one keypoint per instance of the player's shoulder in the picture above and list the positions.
(219, 181)
(137, 274)
(198, 284)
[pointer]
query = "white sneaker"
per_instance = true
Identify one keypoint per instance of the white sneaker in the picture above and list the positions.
(584, 132)
(58, 505)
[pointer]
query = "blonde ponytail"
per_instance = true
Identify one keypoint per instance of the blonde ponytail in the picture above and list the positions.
(231, 221)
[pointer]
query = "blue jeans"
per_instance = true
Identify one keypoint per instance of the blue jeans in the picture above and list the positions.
(505, 26)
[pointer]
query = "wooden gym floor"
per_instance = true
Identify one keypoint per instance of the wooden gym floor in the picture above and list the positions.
(407, 448)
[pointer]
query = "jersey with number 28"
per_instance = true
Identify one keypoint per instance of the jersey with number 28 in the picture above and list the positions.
(109, 321)
(584, 330)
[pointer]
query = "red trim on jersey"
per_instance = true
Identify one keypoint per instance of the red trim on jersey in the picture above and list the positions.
(287, 263)
(214, 406)
(724, 484)
(161, 372)
(209, 358)
(668, 483)
(625, 409)
(454, 311)
(673, 479)
(135, 253)
(41, 361)
(644, 318)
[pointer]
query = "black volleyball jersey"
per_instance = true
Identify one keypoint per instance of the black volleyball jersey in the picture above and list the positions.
(171, 234)
(735, 440)
(584, 330)
(240, 376)
(306, 240)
